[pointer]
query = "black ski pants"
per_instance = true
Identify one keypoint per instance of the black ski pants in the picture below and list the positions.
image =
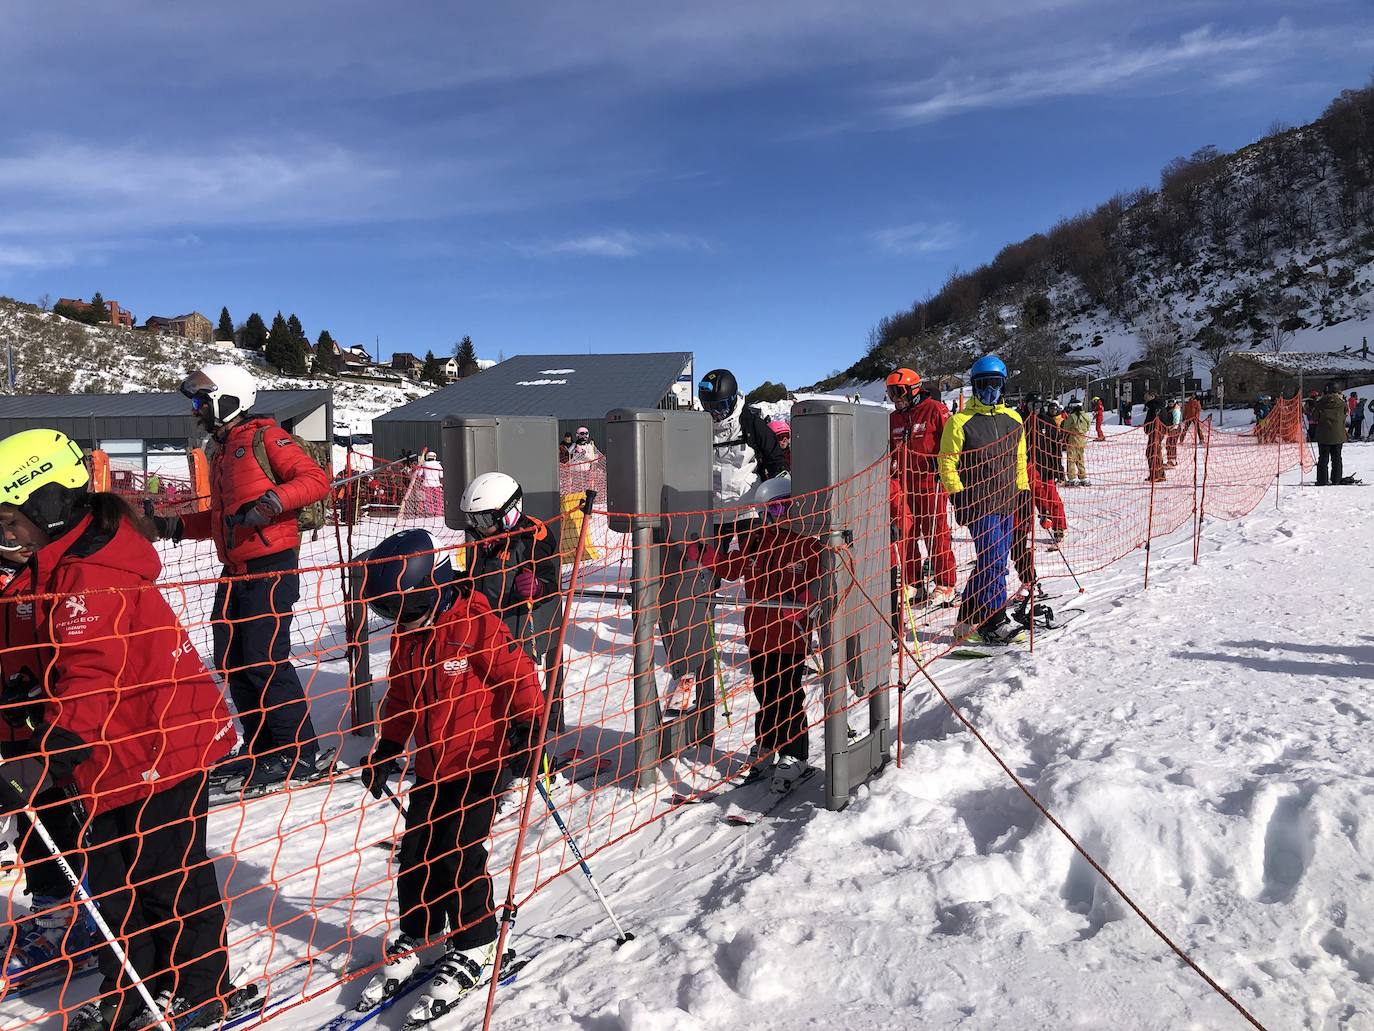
(42, 875)
(780, 723)
(147, 868)
(252, 636)
(443, 875)
(1329, 455)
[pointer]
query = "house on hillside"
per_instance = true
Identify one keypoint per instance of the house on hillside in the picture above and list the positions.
(577, 389)
(355, 360)
(1291, 372)
(192, 326)
(407, 364)
(117, 316)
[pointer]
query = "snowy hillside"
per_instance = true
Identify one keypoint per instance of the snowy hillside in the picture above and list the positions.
(1269, 248)
(53, 355)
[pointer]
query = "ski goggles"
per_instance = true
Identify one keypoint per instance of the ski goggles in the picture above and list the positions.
(198, 383)
(404, 607)
(776, 509)
(202, 403)
(720, 409)
(490, 520)
(898, 392)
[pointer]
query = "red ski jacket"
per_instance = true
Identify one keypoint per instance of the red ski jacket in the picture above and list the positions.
(119, 672)
(456, 687)
(916, 444)
(777, 566)
(236, 479)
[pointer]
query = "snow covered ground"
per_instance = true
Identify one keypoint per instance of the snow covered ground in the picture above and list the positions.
(1205, 739)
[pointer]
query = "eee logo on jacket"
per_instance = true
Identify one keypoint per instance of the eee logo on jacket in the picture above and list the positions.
(453, 667)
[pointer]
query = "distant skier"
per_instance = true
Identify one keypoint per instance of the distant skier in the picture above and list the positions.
(983, 467)
(1124, 412)
(1357, 417)
(1192, 416)
(430, 482)
(470, 703)
(1045, 444)
(1075, 430)
(1098, 413)
(781, 573)
(583, 447)
(1173, 428)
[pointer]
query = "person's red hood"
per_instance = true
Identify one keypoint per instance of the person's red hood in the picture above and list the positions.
(128, 552)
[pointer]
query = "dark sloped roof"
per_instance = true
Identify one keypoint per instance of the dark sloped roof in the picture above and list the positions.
(281, 404)
(566, 386)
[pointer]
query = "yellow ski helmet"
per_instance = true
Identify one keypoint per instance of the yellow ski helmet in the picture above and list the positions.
(40, 471)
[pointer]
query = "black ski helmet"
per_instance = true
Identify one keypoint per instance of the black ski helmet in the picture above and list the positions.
(404, 578)
(718, 393)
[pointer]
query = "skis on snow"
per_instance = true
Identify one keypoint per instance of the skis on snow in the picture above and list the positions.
(351, 1019)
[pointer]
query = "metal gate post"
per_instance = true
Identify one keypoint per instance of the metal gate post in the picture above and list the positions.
(644, 603)
(361, 713)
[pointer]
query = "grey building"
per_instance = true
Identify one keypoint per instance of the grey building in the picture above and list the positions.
(146, 432)
(576, 389)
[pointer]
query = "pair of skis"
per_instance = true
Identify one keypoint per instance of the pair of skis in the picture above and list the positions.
(352, 1019)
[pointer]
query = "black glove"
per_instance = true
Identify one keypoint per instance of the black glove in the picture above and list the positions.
(21, 699)
(380, 766)
(523, 740)
(168, 528)
(963, 510)
(263, 511)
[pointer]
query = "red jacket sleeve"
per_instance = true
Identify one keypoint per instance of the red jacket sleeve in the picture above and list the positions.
(398, 713)
(300, 481)
(504, 667)
(196, 526)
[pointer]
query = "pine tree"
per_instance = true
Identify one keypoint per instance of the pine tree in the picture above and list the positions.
(281, 349)
(99, 311)
(326, 355)
(294, 325)
(255, 333)
(225, 331)
(433, 371)
(465, 353)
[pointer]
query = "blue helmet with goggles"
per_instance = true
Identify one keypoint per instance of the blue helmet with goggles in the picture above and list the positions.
(988, 376)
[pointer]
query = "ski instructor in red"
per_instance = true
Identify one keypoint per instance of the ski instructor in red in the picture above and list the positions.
(252, 520)
(919, 502)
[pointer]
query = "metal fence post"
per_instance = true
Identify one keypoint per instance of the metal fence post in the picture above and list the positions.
(644, 604)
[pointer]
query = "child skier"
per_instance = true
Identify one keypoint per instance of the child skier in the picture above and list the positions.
(460, 688)
(779, 567)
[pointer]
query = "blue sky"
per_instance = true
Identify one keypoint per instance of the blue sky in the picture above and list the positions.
(756, 182)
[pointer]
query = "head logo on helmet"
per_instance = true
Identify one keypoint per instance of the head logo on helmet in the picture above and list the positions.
(45, 477)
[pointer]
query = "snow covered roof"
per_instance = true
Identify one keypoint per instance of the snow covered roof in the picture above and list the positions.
(1314, 363)
(566, 386)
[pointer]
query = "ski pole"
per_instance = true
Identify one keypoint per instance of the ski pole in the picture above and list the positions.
(625, 936)
(720, 672)
(88, 904)
(1065, 559)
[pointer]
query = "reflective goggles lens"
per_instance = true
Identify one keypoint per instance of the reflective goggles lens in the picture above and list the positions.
(201, 403)
(197, 383)
(777, 509)
(482, 522)
(896, 393)
(720, 410)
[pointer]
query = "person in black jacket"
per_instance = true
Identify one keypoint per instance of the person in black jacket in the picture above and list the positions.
(514, 560)
(1154, 435)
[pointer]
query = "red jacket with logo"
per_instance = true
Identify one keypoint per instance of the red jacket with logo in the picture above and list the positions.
(236, 479)
(457, 686)
(777, 566)
(916, 444)
(117, 667)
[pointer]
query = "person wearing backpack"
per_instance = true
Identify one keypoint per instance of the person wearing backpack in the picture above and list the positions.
(262, 479)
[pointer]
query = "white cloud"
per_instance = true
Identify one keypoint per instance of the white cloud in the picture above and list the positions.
(21, 257)
(617, 244)
(918, 238)
(1100, 70)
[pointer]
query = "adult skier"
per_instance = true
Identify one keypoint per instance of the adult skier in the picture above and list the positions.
(1045, 445)
(1357, 417)
(745, 449)
(464, 702)
(781, 572)
(983, 467)
(1154, 435)
(583, 447)
(514, 562)
(1075, 430)
(130, 721)
(260, 478)
(429, 480)
(1098, 413)
(1329, 414)
(919, 502)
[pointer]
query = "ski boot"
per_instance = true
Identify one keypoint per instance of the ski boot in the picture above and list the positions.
(400, 960)
(459, 972)
(57, 928)
(998, 630)
(786, 773)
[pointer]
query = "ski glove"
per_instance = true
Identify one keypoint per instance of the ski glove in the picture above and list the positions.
(22, 699)
(263, 511)
(963, 511)
(380, 766)
(522, 739)
(526, 586)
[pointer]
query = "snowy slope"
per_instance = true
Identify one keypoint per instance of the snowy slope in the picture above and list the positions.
(57, 355)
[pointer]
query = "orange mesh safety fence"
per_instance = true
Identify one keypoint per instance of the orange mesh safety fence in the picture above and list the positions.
(114, 680)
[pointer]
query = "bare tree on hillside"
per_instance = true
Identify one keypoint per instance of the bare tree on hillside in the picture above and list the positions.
(1161, 347)
(1280, 315)
(1216, 346)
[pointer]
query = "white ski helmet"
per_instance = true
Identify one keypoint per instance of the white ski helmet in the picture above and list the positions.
(222, 391)
(491, 502)
(773, 496)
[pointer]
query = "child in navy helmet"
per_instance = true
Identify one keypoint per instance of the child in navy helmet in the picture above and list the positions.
(983, 467)
(469, 699)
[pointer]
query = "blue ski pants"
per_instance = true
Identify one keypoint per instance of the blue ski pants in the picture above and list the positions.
(985, 594)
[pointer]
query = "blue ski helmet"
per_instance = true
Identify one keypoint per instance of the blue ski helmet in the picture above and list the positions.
(988, 376)
(404, 579)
